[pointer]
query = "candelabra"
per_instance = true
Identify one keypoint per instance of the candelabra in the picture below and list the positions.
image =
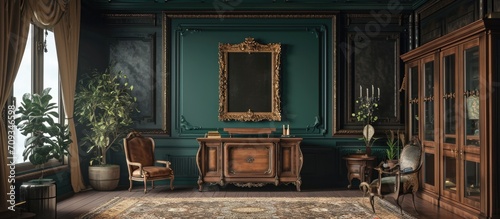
(366, 113)
(367, 106)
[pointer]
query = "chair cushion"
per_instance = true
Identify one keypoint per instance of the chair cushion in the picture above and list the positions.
(389, 180)
(153, 171)
(388, 183)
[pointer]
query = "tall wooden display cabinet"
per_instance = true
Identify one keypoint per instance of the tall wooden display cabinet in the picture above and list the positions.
(452, 86)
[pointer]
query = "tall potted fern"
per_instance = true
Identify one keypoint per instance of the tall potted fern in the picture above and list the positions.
(104, 105)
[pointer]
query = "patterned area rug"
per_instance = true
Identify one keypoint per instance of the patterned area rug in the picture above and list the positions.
(256, 207)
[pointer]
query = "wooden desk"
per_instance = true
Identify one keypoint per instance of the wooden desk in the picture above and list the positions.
(249, 162)
(359, 166)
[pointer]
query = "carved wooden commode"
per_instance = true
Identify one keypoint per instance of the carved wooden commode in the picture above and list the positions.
(249, 162)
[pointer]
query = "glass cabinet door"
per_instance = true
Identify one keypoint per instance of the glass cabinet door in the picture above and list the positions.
(428, 123)
(413, 99)
(471, 96)
(449, 98)
(449, 147)
(428, 85)
(470, 153)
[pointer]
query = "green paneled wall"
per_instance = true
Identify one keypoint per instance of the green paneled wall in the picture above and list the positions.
(308, 64)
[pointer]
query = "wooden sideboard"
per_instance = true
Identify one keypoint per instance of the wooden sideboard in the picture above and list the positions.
(249, 162)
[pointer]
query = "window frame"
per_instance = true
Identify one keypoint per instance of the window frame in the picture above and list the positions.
(38, 46)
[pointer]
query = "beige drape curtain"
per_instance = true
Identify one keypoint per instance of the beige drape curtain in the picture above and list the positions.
(14, 28)
(47, 13)
(67, 36)
(63, 17)
(15, 17)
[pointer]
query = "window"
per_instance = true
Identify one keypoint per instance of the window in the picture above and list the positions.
(20, 88)
(39, 69)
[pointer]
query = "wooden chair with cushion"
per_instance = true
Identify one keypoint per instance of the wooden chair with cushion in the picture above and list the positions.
(139, 152)
(399, 180)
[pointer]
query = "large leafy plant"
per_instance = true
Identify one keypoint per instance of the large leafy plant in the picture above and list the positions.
(46, 139)
(104, 104)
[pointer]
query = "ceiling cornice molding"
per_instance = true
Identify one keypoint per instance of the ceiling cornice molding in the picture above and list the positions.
(272, 5)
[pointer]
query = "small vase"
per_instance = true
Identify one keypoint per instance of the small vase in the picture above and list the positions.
(368, 150)
(368, 132)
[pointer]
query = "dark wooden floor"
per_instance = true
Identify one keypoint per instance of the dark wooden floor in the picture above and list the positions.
(83, 202)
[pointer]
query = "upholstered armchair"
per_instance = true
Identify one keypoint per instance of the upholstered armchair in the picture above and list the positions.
(399, 180)
(139, 152)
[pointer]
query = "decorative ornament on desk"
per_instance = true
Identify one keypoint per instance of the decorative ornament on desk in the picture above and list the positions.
(286, 131)
(366, 114)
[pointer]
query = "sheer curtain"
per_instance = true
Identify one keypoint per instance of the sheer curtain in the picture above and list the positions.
(64, 17)
(14, 26)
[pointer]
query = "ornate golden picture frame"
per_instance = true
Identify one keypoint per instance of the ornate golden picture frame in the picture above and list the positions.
(249, 81)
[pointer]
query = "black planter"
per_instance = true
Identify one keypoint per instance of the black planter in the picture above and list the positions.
(40, 196)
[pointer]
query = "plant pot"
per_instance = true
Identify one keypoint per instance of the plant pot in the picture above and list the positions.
(390, 163)
(40, 197)
(104, 177)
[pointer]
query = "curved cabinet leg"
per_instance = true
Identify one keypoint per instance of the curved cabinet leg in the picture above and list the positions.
(350, 181)
(298, 183)
(200, 184)
(172, 183)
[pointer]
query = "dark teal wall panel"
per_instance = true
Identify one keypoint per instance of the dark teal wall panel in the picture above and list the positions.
(195, 69)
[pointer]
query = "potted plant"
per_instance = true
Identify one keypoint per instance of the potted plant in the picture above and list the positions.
(46, 140)
(104, 105)
(392, 151)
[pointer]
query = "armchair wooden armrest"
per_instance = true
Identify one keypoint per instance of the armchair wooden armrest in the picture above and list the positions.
(139, 165)
(380, 165)
(167, 163)
(393, 170)
(135, 164)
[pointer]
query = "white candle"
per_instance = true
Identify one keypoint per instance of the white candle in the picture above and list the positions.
(373, 91)
(366, 93)
(378, 90)
(360, 91)
(288, 129)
